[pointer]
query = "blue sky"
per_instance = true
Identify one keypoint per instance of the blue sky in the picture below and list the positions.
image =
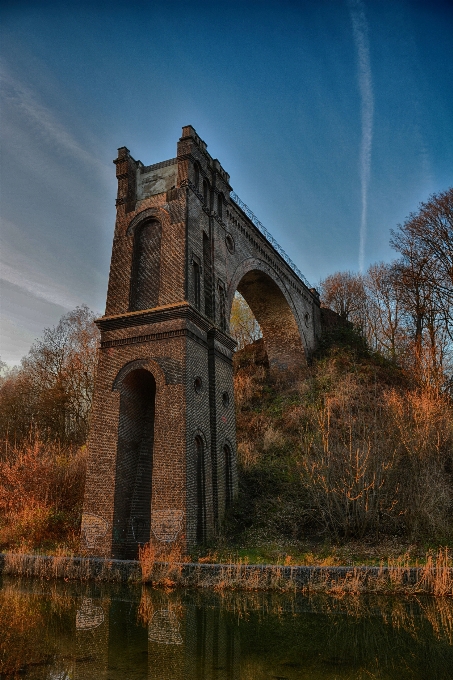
(334, 119)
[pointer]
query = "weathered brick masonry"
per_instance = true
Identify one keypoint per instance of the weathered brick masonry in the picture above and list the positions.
(162, 443)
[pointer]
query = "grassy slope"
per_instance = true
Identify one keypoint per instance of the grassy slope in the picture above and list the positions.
(274, 518)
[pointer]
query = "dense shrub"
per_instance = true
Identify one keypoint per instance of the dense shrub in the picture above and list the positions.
(41, 494)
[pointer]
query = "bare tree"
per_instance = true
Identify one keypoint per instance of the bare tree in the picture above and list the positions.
(345, 294)
(425, 277)
(384, 310)
(52, 391)
(427, 237)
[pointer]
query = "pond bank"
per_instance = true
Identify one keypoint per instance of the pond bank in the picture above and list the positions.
(433, 578)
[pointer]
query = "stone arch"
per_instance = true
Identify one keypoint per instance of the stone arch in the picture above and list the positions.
(186, 333)
(272, 305)
(150, 213)
(145, 363)
(137, 386)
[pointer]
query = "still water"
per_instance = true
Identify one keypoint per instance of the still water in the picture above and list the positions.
(56, 631)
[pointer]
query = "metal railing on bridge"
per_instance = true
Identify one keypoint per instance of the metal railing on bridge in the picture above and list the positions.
(244, 207)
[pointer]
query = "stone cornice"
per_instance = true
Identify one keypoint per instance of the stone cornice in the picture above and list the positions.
(161, 314)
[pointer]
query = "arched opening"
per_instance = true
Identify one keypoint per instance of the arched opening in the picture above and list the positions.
(145, 277)
(196, 175)
(275, 317)
(229, 488)
(244, 328)
(134, 463)
(200, 469)
(206, 192)
(220, 205)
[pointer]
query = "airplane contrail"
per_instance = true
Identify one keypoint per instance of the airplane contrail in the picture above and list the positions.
(360, 32)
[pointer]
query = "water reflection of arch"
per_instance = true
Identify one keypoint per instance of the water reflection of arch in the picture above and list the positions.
(274, 309)
(210, 648)
(212, 644)
(138, 383)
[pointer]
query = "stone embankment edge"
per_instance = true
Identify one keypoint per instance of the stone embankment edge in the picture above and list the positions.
(124, 571)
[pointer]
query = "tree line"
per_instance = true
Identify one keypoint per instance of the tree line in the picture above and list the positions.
(404, 309)
(50, 393)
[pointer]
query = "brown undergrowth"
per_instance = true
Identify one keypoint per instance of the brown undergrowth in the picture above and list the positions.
(162, 563)
(41, 495)
(348, 453)
(352, 449)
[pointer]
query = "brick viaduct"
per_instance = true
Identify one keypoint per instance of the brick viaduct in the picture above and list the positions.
(162, 444)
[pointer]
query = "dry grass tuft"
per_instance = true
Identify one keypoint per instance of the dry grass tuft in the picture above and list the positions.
(162, 563)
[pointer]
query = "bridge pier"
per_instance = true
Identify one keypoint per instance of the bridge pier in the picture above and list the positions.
(162, 445)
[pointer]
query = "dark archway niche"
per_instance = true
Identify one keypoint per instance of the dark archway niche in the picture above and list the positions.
(134, 463)
(200, 466)
(144, 293)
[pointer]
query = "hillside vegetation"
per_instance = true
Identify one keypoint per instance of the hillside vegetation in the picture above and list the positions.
(352, 450)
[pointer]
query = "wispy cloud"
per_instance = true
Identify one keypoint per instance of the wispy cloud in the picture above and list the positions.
(22, 270)
(25, 102)
(360, 31)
